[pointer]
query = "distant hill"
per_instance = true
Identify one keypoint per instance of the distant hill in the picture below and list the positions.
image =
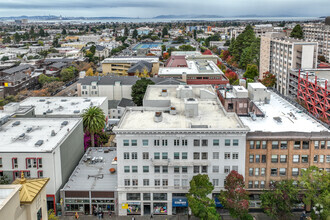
(186, 16)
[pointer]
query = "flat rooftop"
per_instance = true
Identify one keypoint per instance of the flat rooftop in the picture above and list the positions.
(134, 59)
(292, 118)
(200, 67)
(6, 193)
(93, 174)
(211, 114)
(22, 134)
(62, 105)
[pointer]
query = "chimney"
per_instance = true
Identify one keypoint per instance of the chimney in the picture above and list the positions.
(172, 110)
(164, 92)
(158, 117)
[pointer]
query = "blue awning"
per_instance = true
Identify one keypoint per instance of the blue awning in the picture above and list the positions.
(179, 202)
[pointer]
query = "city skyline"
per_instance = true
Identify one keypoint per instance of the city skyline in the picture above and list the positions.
(148, 8)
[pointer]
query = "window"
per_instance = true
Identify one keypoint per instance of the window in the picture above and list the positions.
(256, 184)
(157, 182)
(328, 144)
(134, 155)
(176, 142)
(145, 142)
(322, 144)
(134, 169)
(263, 171)
(251, 144)
(204, 156)
(133, 196)
(146, 196)
(184, 169)
(28, 162)
(274, 144)
(176, 169)
(215, 169)
(250, 171)
(250, 184)
(273, 171)
(145, 155)
(146, 182)
(164, 155)
(164, 142)
(176, 182)
(156, 155)
(0, 161)
(283, 158)
(184, 142)
(235, 142)
(184, 182)
(284, 145)
(135, 182)
(165, 182)
(196, 155)
(264, 144)
(39, 161)
(157, 169)
(304, 158)
(296, 145)
(235, 156)
(184, 155)
(227, 142)
(40, 174)
(274, 158)
(127, 182)
(316, 144)
(295, 159)
(215, 182)
(204, 169)
(216, 142)
(316, 158)
(321, 158)
(156, 142)
(196, 143)
(257, 158)
(226, 169)
(126, 142)
(263, 158)
(282, 171)
(328, 159)
(160, 196)
(165, 169)
(257, 144)
(262, 184)
(126, 169)
(305, 145)
(196, 169)
(251, 158)
(14, 162)
(204, 143)
(145, 169)
(126, 156)
(235, 168)
(176, 155)
(134, 142)
(227, 155)
(215, 155)
(295, 171)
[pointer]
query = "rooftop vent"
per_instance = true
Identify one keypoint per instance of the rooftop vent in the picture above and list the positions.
(21, 136)
(42, 100)
(87, 100)
(191, 100)
(76, 111)
(48, 102)
(191, 107)
(64, 123)
(49, 111)
(16, 123)
(278, 119)
(63, 100)
(53, 133)
(158, 117)
(39, 143)
(253, 116)
(164, 92)
(29, 129)
(172, 110)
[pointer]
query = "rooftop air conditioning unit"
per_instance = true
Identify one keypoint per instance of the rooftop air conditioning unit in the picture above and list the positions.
(158, 117)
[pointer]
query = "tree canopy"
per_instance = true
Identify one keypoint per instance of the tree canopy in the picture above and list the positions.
(297, 32)
(269, 79)
(93, 121)
(139, 89)
(251, 72)
(68, 74)
(201, 206)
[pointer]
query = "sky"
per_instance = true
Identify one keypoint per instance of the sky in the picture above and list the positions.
(151, 8)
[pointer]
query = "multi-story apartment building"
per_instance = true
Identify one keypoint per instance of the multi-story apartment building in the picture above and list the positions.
(120, 65)
(321, 34)
(278, 55)
(281, 144)
(180, 131)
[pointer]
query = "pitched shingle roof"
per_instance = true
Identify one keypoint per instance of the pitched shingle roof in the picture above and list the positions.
(140, 66)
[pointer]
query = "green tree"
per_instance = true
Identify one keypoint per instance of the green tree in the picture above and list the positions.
(43, 79)
(139, 89)
(201, 206)
(135, 34)
(126, 32)
(235, 198)
(17, 37)
(40, 42)
(227, 43)
(164, 32)
(195, 34)
(4, 58)
(316, 186)
(187, 48)
(63, 31)
(251, 72)
(93, 121)
(6, 40)
(92, 49)
(68, 74)
(4, 180)
(279, 200)
(268, 80)
(51, 215)
(297, 32)
(42, 32)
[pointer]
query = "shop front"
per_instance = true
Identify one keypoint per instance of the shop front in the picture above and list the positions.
(179, 206)
(134, 208)
(160, 208)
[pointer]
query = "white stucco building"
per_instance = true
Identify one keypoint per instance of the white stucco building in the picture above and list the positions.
(180, 131)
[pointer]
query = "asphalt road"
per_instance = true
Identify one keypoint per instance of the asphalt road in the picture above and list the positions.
(68, 91)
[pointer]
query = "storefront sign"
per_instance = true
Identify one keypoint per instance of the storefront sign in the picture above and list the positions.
(180, 202)
(124, 206)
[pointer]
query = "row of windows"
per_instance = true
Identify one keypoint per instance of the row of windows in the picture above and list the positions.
(257, 184)
(273, 171)
(146, 196)
(184, 142)
(284, 145)
(29, 163)
(283, 158)
(156, 182)
(176, 155)
(27, 174)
